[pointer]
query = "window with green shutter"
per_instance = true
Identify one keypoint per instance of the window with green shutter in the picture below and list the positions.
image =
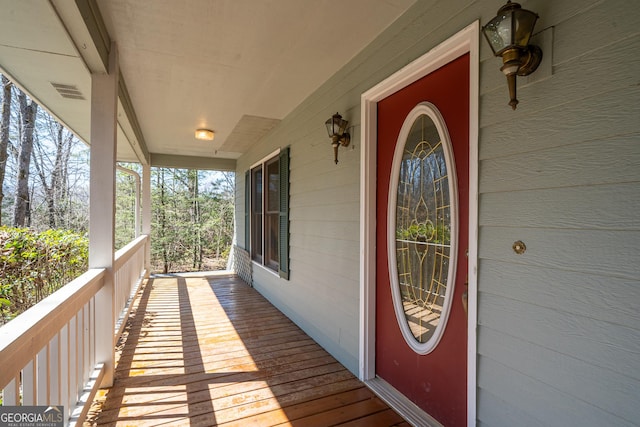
(284, 214)
(267, 212)
(247, 198)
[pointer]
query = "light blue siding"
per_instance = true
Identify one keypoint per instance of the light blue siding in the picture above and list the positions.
(559, 329)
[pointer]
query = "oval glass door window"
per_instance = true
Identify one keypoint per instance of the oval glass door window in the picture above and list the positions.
(422, 228)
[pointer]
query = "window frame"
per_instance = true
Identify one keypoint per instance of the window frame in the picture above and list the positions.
(263, 259)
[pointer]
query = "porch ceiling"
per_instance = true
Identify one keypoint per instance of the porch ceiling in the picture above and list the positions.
(235, 66)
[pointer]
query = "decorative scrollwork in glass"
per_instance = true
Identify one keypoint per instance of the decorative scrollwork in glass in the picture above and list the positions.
(424, 220)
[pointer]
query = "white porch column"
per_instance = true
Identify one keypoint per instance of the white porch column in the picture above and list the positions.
(146, 213)
(104, 106)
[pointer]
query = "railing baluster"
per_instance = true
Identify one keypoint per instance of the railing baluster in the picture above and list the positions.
(41, 377)
(73, 361)
(64, 368)
(29, 383)
(11, 393)
(92, 333)
(86, 362)
(79, 355)
(54, 371)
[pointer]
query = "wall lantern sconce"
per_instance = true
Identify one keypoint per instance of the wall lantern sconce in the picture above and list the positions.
(336, 127)
(508, 34)
(204, 134)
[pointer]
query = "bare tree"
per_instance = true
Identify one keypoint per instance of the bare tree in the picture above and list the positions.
(28, 109)
(223, 212)
(55, 164)
(163, 220)
(4, 134)
(193, 184)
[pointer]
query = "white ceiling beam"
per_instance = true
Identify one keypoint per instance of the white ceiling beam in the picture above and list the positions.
(192, 162)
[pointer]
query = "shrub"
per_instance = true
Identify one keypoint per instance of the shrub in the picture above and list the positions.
(34, 265)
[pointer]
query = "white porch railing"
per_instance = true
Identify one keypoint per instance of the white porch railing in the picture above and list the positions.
(128, 269)
(48, 353)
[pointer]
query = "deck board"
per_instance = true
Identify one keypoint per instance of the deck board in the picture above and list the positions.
(210, 350)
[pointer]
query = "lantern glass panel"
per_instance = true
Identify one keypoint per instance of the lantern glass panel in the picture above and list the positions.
(342, 126)
(330, 126)
(498, 32)
(524, 21)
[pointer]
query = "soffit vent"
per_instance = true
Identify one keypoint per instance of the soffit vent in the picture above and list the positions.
(68, 91)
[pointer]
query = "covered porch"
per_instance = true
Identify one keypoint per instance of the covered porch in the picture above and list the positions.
(62, 351)
(544, 320)
(207, 349)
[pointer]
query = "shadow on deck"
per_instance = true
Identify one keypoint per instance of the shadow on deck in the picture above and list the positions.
(210, 350)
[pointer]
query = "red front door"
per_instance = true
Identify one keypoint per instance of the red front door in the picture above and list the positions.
(424, 241)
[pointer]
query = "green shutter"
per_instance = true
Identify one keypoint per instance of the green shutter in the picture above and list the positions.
(247, 209)
(284, 214)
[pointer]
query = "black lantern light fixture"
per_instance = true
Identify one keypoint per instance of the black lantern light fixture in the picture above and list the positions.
(336, 128)
(508, 34)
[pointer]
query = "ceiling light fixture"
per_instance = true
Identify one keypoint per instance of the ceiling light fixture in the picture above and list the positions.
(204, 134)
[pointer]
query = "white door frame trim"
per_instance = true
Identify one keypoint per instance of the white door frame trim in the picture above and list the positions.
(465, 41)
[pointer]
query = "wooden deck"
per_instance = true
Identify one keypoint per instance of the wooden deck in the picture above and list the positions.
(210, 350)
